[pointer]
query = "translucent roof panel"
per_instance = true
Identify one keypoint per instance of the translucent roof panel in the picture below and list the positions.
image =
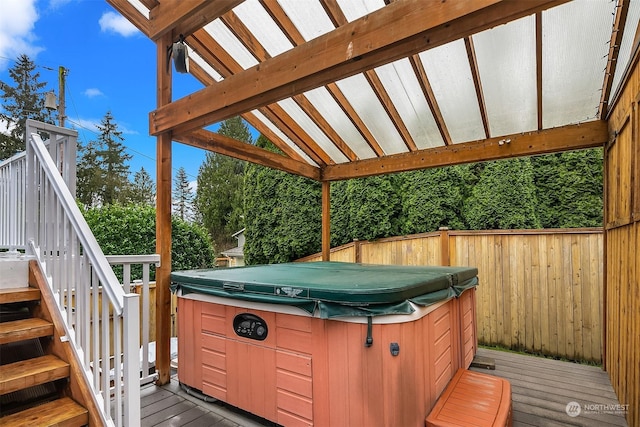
(354, 9)
(259, 22)
(633, 17)
(340, 122)
(140, 7)
(507, 66)
(231, 44)
(308, 16)
(193, 56)
(571, 76)
(273, 128)
(362, 98)
(318, 136)
(403, 88)
(447, 68)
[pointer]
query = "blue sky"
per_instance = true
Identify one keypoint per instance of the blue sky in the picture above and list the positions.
(111, 68)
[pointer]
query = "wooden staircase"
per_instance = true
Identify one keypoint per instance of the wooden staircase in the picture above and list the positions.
(40, 381)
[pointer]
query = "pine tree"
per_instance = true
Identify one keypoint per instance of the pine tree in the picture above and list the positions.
(103, 172)
(219, 195)
(23, 101)
(113, 161)
(182, 196)
(143, 189)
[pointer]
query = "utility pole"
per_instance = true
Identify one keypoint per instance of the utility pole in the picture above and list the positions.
(62, 74)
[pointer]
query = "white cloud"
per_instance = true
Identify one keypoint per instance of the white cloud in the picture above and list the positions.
(93, 92)
(112, 22)
(17, 21)
(193, 185)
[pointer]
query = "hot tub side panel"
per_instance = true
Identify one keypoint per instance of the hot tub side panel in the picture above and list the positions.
(310, 371)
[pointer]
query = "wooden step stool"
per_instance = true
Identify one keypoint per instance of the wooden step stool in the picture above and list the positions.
(473, 399)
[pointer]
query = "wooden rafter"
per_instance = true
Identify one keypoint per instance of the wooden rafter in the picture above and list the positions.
(388, 105)
(285, 24)
(571, 137)
(180, 17)
(337, 17)
(221, 144)
(477, 83)
(326, 58)
(254, 121)
(132, 14)
(211, 51)
(427, 91)
(254, 46)
(539, 67)
(622, 10)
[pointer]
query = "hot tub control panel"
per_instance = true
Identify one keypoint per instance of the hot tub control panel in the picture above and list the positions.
(250, 326)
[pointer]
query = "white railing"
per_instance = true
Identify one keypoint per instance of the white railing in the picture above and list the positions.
(102, 320)
(12, 208)
(140, 287)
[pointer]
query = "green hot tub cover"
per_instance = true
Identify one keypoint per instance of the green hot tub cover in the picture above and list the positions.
(334, 288)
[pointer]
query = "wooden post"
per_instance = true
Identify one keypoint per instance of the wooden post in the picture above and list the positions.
(444, 246)
(163, 221)
(358, 250)
(326, 221)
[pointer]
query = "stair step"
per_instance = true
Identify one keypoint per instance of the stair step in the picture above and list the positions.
(9, 295)
(19, 330)
(62, 412)
(30, 372)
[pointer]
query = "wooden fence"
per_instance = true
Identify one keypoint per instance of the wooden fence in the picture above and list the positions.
(540, 290)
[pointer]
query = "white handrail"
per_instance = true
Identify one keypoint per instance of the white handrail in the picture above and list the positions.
(102, 320)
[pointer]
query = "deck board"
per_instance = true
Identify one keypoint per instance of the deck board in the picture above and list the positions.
(541, 389)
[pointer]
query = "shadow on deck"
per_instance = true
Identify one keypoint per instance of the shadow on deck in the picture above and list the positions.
(541, 390)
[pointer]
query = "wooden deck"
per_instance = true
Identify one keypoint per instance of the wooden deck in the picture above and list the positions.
(541, 388)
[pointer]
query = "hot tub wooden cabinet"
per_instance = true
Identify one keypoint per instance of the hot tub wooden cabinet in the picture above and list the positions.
(276, 359)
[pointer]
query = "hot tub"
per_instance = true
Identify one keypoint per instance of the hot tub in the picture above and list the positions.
(328, 343)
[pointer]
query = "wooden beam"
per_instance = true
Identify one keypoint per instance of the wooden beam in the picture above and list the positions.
(164, 173)
(427, 91)
(353, 48)
(572, 137)
(622, 10)
(222, 144)
(475, 74)
(132, 14)
(177, 17)
(326, 221)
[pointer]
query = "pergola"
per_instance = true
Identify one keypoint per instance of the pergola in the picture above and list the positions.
(354, 88)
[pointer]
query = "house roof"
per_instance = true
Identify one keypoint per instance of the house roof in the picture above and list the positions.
(350, 88)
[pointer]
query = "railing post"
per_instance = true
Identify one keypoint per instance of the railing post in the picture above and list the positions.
(131, 374)
(30, 195)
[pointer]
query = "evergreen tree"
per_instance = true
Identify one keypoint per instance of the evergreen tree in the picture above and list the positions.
(182, 196)
(434, 198)
(283, 220)
(569, 189)
(143, 189)
(219, 195)
(103, 172)
(88, 175)
(504, 197)
(23, 101)
(113, 161)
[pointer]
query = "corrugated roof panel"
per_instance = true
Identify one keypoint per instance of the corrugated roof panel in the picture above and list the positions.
(449, 74)
(282, 136)
(308, 16)
(507, 67)
(193, 56)
(359, 93)
(310, 127)
(260, 23)
(633, 17)
(574, 54)
(340, 122)
(354, 9)
(140, 7)
(402, 85)
(230, 43)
